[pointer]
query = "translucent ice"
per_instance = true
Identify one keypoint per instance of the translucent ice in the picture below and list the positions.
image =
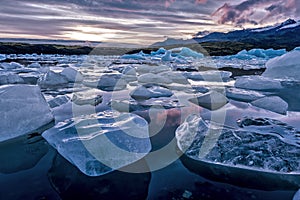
(150, 91)
(264, 144)
(257, 83)
(100, 143)
(23, 109)
(284, 67)
(273, 103)
(52, 79)
(212, 100)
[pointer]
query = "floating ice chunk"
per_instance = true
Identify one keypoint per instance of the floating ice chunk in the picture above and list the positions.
(150, 91)
(176, 77)
(160, 51)
(212, 100)
(284, 67)
(23, 110)
(143, 69)
(187, 52)
(297, 49)
(30, 78)
(210, 75)
(257, 83)
(153, 78)
(167, 57)
(52, 79)
(258, 53)
(84, 98)
(112, 82)
(99, 144)
(58, 101)
(72, 75)
(260, 144)
(243, 95)
(274, 104)
(129, 70)
(9, 78)
(12, 65)
(2, 57)
(34, 65)
(297, 195)
(138, 56)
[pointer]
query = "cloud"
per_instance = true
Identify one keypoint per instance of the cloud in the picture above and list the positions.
(257, 11)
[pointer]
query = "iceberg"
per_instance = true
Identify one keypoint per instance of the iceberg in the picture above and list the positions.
(100, 143)
(284, 67)
(150, 91)
(85, 98)
(261, 147)
(23, 110)
(243, 95)
(52, 79)
(212, 100)
(211, 75)
(34, 65)
(257, 53)
(273, 103)
(153, 79)
(10, 78)
(187, 52)
(72, 75)
(257, 83)
(112, 82)
(11, 65)
(160, 51)
(2, 57)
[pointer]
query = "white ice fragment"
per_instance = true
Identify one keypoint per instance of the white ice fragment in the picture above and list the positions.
(148, 92)
(273, 103)
(243, 95)
(153, 78)
(257, 83)
(58, 101)
(72, 75)
(52, 79)
(284, 67)
(23, 109)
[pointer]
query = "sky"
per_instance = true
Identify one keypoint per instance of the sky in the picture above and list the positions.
(142, 22)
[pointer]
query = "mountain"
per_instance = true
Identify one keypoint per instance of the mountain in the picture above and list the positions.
(284, 35)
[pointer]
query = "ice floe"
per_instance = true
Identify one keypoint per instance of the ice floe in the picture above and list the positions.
(257, 83)
(52, 79)
(272, 103)
(150, 91)
(212, 100)
(284, 67)
(72, 75)
(100, 143)
(23, 109)
(58, 101)
(243, 95)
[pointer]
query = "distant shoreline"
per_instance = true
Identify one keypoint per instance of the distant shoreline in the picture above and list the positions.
(207, 48)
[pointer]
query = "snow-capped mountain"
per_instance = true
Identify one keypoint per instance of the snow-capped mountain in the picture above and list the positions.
(285, 35)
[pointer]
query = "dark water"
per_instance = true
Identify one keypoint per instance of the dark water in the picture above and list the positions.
(31, 169)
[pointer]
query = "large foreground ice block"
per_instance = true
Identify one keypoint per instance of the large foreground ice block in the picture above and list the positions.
(284, 67)
(260, 144)
(23, 109)
(100, 143)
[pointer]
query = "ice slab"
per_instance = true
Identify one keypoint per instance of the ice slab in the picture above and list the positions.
(212, 100)
(210, 75)
(10, 78)
(153, 79)
(72, 75)
(23, 109)
(52, 79)
(243, 95)
(11, 65)
(261, 144)
(257, 83)
(100, 143)
(150, 91)
(272, 103)
(112, 82)
(284, 67)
